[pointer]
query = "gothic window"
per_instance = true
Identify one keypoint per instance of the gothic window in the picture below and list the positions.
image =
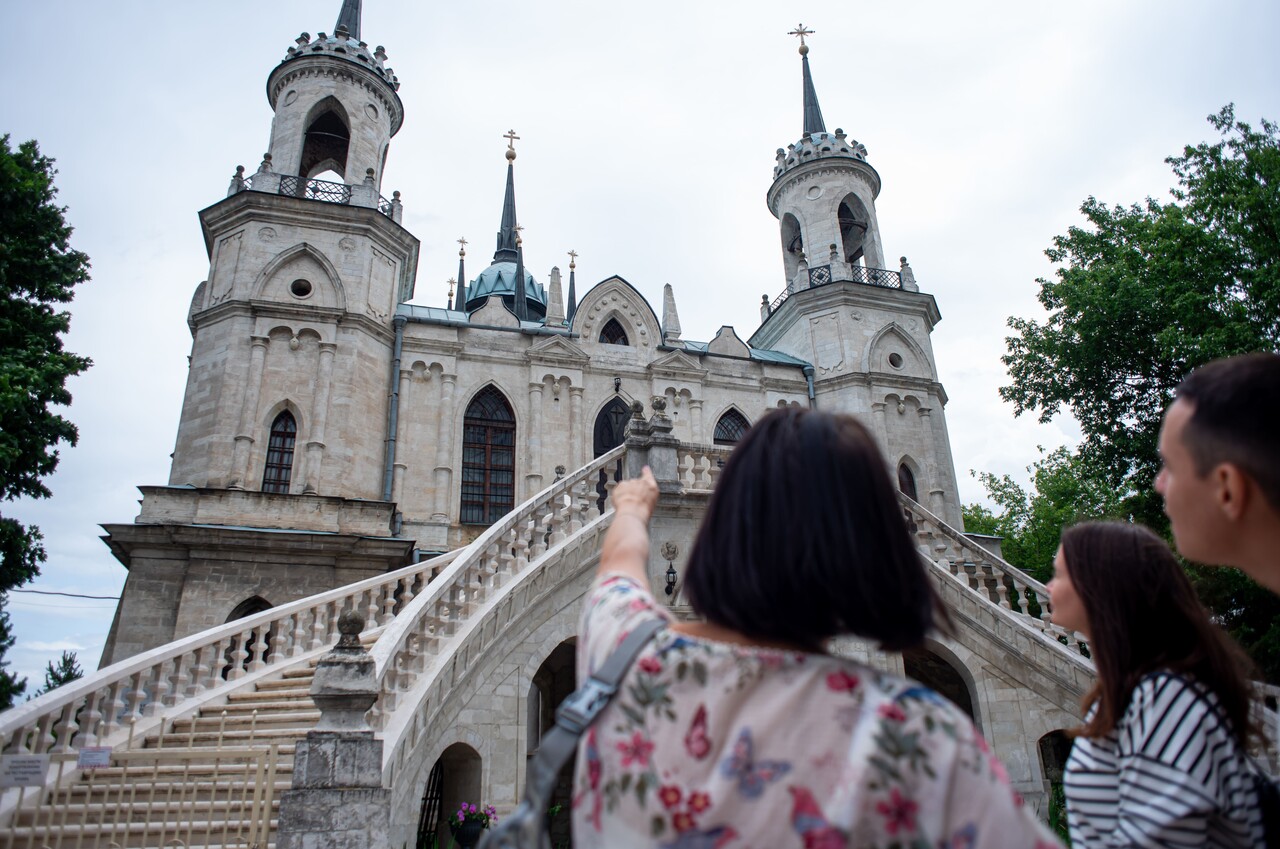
(731, 428)
(907, 482)
(279, 469)
(488, 458)
(325, 143)
(613, 334)
(852, 217)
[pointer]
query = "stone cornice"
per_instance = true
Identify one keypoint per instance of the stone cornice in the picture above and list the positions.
(843, 294)
(822, 168)
(312, 65)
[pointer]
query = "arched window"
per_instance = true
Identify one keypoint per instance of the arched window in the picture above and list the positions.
(324, 146)
(852, 216)
(731, 427)
(907, 482)
(488, 458)
(279, 469)
(613, 334)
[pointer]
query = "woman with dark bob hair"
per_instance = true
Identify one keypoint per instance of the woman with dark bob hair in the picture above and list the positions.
(740, 730)
(1160, 759)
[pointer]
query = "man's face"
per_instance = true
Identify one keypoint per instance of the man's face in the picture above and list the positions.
(1190, 501)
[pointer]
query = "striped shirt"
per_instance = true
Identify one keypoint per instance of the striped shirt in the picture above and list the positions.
(1169, 775)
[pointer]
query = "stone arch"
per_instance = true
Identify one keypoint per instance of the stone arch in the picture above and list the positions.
(326, 140)
(555, 679)
(275, 280)
(908, 464)
(610, 424)
(915, 362)
(456, 776)
(249, 607)
(792, 245)
(616, 298)
(197, 298)
(939, 669)
(853, 222)
(268, 455)
(731, 421)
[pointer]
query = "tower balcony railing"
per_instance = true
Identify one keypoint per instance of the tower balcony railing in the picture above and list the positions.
(821, 275)
(321, 190)
(291, 185)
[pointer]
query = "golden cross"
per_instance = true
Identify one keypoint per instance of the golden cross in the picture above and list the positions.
(462, 251)
(802, 32)
(451, 283)
(511, 138)
(573, 256)
(519, 241)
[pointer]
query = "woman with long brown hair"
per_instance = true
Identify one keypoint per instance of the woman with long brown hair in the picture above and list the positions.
(1160, 760)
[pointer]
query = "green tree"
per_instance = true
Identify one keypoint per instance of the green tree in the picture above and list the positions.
(38, 269)
(67, 670)
(1146, 293)
(1065, 490)
(1143, 295)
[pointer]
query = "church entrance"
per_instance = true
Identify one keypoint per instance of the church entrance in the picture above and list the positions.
(454, 779)
(936, 673)
(610, 430)
(555, 679)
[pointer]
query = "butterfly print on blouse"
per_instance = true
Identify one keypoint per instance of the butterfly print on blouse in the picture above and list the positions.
(752, 775)
(696, 741)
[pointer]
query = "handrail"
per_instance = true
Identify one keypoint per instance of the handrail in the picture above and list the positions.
(108, 702)
(988, 575)
(504, 550)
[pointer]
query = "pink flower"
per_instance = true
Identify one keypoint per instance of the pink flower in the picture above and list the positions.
(670, 796)
(651, 665)
(892, 712)
(699, 801)
(899, 812)
(637, 750)
(841, 681)
(682, 822)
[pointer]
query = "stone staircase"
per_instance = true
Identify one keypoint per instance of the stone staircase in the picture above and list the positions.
(189, 783)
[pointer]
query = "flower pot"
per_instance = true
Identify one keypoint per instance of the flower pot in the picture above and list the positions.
(466, 834)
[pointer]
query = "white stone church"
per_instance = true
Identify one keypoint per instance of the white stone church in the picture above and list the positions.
(444, 471)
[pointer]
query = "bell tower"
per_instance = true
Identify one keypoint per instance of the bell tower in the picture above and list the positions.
(863, 328)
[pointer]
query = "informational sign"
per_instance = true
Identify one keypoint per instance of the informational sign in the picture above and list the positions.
(23, 770)
(94, 757)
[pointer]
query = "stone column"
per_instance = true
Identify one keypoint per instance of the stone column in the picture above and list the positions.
(695, 422)
(248, 412)
(533, 478)
(337, 800)
(882, 432)
(650, 443)
(444, 439)
(402, 437)
(577, 456)
(319, 418)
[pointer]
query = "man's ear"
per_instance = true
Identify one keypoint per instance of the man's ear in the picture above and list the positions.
(1232, 490)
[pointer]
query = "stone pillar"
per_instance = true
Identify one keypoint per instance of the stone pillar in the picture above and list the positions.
(248, 412)
(319, 418)
(577, 458)
(533, 477)
(337, 800)
(881, 430)
(651, 444)
(444, 439)
(402, 437)
(695, 422)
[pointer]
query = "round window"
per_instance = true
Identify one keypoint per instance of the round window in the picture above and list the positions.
(300, 288)
(895, 360)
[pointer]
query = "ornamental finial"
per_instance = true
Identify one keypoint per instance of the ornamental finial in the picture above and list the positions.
(512, 138)
(802, 32)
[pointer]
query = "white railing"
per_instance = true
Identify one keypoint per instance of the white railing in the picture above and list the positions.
(988, 576)
(142, 691)
(434, 624)
(505, 549)
(699, 465)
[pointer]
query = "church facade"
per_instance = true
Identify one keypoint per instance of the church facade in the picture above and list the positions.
(333, 429)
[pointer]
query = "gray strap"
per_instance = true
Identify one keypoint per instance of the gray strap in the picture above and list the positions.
(525, 827)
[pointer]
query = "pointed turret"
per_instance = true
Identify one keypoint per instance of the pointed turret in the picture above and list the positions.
(507, 236)
(812, 111)
(349, 19)
(573, 290)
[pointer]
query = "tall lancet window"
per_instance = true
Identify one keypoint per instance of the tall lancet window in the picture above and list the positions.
(327, 138)
(279, 468)
(731, 428)
(613, 334)
(907, 482)
(488, 458)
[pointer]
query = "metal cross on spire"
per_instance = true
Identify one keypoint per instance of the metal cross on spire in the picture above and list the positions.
(573, 258)
(512, 138)
(462, 251)
(802, 32)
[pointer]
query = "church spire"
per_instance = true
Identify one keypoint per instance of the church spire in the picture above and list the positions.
(508, 238)
(349, 19)
(813, 122)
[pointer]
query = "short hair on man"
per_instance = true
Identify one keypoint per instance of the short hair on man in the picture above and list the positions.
(1236, 418)
(804, 540)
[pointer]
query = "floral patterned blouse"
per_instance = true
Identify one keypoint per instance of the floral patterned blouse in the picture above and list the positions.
(716, 746)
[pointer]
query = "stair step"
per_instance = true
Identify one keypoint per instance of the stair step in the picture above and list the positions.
(176, 809)
(179, 772)
(142, 835)
(233, 738)
(303, 719)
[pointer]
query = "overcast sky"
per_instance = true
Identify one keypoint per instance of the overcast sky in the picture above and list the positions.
(647, 144)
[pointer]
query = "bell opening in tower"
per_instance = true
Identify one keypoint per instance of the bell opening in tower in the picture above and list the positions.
(326, 141)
